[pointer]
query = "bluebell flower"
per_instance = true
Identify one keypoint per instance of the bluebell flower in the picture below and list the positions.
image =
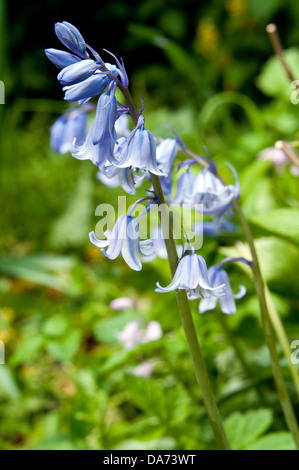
(91, 86)
(185, 188)
(66, 129)
(113, 177)
(191, 275)
(138, 150)
(166, 153)
(216, 276)
(212, 230)
(61, 59)
(77, 72)
(215, 197)
(122, 127)
(99, 153)
(106, 116)
(71, 38)
(123, 239)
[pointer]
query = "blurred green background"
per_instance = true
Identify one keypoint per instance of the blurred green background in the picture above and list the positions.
(205, 69)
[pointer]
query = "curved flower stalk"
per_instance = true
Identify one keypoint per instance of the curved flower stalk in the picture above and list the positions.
(217, 276)
(123, 239)
(69, 127)
(192, 275)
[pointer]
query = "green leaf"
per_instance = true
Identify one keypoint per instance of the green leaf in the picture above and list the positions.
(73, 225)
(56, 325)
(45, 270)
(66, 348)
(284, 222)
(27, 350)
(163, 443)
(8, 386)
(273, 81)
(242, 429)
(274, 441)
(279, 261)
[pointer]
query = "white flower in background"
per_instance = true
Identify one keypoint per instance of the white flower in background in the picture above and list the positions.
(144, 369)
(132, 334)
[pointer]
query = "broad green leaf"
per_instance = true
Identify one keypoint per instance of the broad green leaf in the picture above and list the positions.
(56, 325)
(163, 443)
(242, 429)
(274, 441)
(28, 349)
(284, 222)
(8, 386)
(72, 227)
(65, 348)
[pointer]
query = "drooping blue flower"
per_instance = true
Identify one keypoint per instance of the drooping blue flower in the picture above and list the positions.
(138, 150)
(106, 116)
(77, 72)
(71, 38)
(99, 153)
(216, 276)
(215, 197)
(67, 128)
(61, 59)
(166, 153)
(185, 188)
(113, 177)
(122, 127)
(191, 275)
(91, 86)
(123, 239)
(212, 230)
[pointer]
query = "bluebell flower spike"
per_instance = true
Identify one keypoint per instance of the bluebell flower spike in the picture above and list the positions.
(227, 301)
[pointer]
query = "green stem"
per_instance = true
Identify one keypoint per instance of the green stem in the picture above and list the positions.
(284, 397)
(285, 401)
(184, 308)
(281, 335)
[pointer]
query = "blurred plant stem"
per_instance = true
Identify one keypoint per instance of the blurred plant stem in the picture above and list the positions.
(184, 308)
(285, 401)
(278, 49)
(284, 397)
